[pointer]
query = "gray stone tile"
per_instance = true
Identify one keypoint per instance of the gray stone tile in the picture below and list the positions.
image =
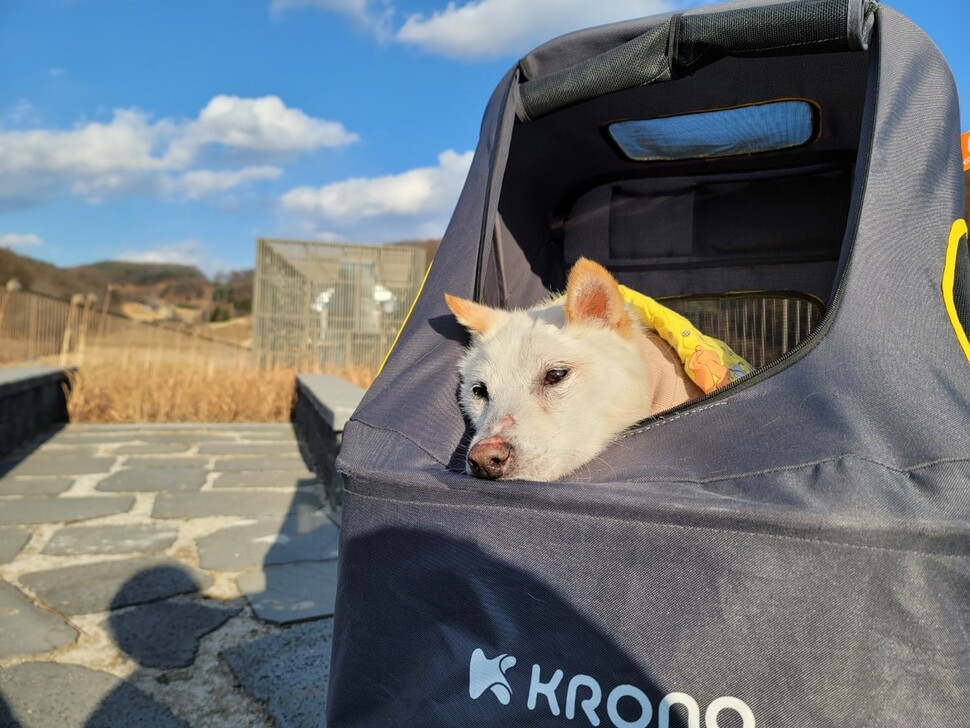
(247, 504)
(284, 447)
(153, 448)
(174, 461)
(164, 478)
(288, 672)
(133, 538)
(93, 437)
(34, 486)
(27, 629)
(266, 479)
(48, 695)
(294, 463)
(67, 465)
(11, 541)
(25, 511)
(302, 537)
(272, 435)
(291, 592)
(166, 634)
(55, 449)
(105, 585)
(187, 439)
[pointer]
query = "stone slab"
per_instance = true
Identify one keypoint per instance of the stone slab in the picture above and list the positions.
(34, 486)
(291, 592)
(62, 465)
(165, 634)
(256, 463)
(98, 587)
(147, 463)
(152, 448)
(133, 538)
(245, 504)
(334, 397)
(266, 479)
(32, 510)
(303, 537)
(288, 672)
(129, 437)
(286, 433)
(11, 541)
(27, 629)
(48, 695)
(57, 449)
(166, 477)
(282, 447)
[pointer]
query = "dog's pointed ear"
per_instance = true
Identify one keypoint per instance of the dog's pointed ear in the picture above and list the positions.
(475, 317)
(593, 296)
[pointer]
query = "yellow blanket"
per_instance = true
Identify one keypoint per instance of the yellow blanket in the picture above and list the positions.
(709, 362)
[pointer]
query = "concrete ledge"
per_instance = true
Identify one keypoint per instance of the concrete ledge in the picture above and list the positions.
(324, 403)
(32, 400)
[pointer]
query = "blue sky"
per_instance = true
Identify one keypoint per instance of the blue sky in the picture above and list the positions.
(182, 130)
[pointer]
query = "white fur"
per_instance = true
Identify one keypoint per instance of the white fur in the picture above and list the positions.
(553, 429)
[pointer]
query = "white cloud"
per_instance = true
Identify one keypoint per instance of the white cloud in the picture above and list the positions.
(490, 29)
(204, 182)
(414, 204)
(258, 125)
(422, 191)
(133, 154)
(19, 240)
(485, 29)
(183, 252)
(372, 15)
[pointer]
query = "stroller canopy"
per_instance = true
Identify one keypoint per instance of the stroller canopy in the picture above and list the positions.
(792, 550)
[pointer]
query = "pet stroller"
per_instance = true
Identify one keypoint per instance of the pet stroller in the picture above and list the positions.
(793, 550)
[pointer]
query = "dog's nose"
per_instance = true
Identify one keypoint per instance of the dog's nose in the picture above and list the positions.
(490, 458)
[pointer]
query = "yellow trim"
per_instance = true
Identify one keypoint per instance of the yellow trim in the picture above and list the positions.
(957, 233)
(405, 321)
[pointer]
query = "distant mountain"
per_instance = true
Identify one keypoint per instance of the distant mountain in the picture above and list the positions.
(151, 284)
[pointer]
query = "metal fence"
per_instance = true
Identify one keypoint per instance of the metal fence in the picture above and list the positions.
(329, 305)
(35, 327)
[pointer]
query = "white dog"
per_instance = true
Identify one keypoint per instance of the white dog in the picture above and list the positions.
(548, 388)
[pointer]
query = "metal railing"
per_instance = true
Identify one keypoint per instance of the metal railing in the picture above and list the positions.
(35, 327)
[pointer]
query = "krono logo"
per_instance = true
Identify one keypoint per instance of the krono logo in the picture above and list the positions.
(485, 674)
(583, 694)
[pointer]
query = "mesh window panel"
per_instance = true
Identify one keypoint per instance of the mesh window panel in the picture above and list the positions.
(761, 327)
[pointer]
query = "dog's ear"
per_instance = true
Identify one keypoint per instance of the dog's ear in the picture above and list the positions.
(593, 296)
(473, 316)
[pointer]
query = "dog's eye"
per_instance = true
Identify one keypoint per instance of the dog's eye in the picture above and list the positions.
(480, 390)
(554, 376)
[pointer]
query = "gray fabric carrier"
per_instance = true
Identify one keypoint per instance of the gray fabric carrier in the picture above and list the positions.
(791, 551)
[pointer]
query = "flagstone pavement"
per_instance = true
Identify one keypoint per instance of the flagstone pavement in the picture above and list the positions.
(164, 575)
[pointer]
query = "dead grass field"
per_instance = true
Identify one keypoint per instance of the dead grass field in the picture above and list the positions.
(166, 392)
(142, 386)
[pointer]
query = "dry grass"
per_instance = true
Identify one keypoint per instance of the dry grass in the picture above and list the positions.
(173, 393)
(145, 386)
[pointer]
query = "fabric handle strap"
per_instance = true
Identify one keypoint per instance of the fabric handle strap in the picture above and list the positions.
(687, 42)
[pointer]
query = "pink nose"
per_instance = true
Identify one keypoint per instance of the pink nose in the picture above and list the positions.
(490, 458)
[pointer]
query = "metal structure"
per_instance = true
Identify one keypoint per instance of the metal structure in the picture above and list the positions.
(331, 305)
(39, 328)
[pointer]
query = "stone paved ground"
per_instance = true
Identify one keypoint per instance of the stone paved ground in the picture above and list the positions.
(166, 575)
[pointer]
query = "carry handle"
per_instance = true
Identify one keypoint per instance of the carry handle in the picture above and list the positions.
(687, 42)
